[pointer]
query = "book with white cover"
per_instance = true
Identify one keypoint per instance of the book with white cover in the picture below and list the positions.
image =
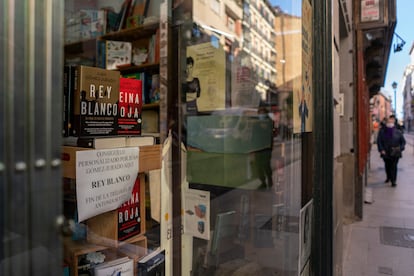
(118, 53)
(139, 141)
(96, 142)
(123, 266)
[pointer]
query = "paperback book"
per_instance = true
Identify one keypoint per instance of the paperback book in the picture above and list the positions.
(68, 84)
(129, 214)
(95, 142)
(123, 14)
(139, 141)
(96, 95)
(154, 94)
(122, 266)
(152, 264)
(93, 23)
(130, 107)
(117, 53)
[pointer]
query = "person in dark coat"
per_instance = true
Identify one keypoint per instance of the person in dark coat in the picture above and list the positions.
(391, 143)
(192, 88)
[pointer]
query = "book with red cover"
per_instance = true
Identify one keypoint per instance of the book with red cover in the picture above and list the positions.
(157, 46)
(130, 107)
(129, 214)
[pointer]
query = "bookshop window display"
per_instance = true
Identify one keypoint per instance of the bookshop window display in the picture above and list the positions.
(111, 153)
(245, 100)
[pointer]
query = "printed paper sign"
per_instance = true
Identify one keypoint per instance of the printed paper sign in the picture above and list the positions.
(104, 179)
(305, 231)
(197, 214)
(206, 78)
(370, 10)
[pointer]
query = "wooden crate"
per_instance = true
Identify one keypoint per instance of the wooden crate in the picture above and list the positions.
(103, 229)
(69, 161)
(135, 248)
(149, 159)
(73, 251)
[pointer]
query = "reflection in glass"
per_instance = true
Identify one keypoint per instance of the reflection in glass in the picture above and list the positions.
(241, 142)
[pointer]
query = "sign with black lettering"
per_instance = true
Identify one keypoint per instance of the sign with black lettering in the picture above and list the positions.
(104, 179)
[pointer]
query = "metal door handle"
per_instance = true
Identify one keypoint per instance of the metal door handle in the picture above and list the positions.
(64, 226)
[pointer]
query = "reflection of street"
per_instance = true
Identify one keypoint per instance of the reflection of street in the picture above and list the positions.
(290, 150)
(265, 228)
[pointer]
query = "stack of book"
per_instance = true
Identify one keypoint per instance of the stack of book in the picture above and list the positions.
(102, 113)
(85, 24)
(122, 266)
(153, 264)
(99, 103)
(92, 23)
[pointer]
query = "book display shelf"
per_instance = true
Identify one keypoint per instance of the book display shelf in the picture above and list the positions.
(103, 45)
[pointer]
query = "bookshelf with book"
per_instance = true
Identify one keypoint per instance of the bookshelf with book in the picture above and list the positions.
(131, 49)
(121, 230)
(118, 228)
(111, 103)
(81, 256)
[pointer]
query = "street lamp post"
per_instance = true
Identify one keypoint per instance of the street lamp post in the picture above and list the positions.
(394, 86)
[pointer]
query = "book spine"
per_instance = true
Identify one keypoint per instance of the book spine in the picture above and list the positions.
(155, 88)
(146, 8)
(101, 53)
(157, 46)
(132, 8)
(151, 49)
(117, 25)
(146, 86)
(76, 125)
(129, 107)
(129, 214)
(66, 88)
(71, 99)
(141, 270)
(111, 21)
(123, 14)
(86, 142)
(142, 78)
(153, 266)
(104, 15)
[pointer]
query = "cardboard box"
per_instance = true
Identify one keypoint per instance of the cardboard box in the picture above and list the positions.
(103, 229)
(229, 133)
(224, 169)
(135, 249)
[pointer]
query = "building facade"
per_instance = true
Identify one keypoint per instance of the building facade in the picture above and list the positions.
(375, 23)
(380, 107)
(259, 42)
(407, 92)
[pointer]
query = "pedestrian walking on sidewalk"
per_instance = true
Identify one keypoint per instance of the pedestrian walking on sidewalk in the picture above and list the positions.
(391, 143)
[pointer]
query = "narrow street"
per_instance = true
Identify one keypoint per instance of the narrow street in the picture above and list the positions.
(383, 242)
